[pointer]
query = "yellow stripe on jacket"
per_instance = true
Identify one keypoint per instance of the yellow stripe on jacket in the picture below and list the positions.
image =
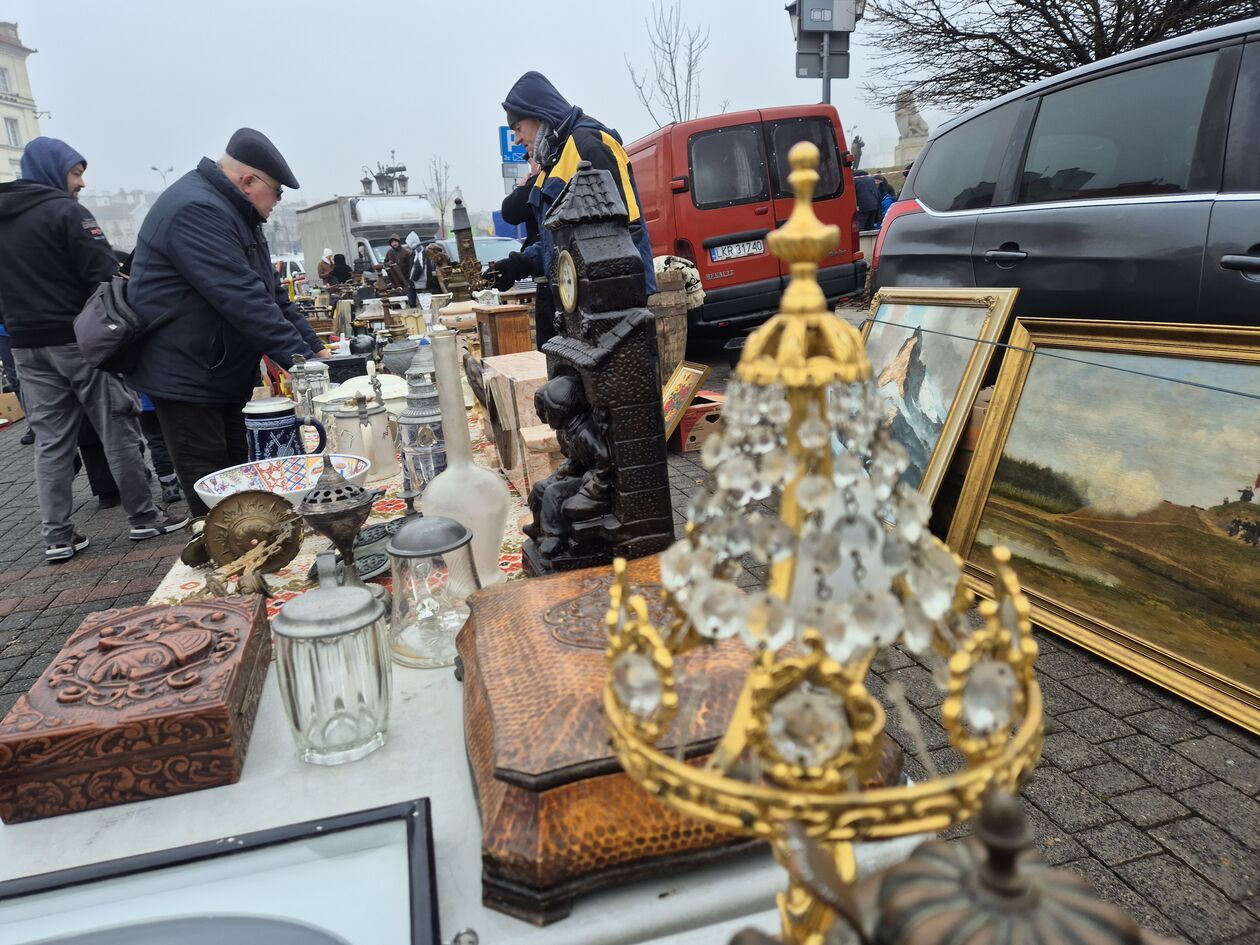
(567, 166)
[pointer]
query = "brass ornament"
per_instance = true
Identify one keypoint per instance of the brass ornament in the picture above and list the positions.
(753, 785)
(245, 520)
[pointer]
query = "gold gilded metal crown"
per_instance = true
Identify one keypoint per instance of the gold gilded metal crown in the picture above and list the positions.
(803, 420)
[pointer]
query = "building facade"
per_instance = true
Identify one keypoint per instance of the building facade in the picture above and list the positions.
(18, 114)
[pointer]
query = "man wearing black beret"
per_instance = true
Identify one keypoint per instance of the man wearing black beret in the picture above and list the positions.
(202, 278)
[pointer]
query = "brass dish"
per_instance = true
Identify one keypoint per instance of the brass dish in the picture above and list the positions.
(247, 519)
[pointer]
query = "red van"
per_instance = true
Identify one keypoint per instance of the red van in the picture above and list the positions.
(712, 188)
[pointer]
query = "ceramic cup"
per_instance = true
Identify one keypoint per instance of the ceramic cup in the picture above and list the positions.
(273, 429)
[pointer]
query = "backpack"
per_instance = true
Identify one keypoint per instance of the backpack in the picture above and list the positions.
(108, 330)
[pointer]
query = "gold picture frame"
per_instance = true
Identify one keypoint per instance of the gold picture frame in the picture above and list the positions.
(1113, 485)
(680, 391)
(953, 333)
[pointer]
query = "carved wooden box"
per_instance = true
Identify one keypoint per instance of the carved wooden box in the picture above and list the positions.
(559, 818)
(142, 702)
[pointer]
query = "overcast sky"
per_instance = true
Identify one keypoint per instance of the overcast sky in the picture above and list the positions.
(138, 83)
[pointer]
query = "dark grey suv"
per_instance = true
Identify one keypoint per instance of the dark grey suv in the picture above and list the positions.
(1128, 188)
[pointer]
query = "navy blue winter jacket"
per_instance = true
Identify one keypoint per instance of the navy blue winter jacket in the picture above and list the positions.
(575, 137)
(201, 257)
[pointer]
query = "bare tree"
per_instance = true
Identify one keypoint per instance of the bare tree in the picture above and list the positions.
(958, 53)
(672, 86)
(437, 187)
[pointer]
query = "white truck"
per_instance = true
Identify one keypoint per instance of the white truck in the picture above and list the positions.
(343, 224)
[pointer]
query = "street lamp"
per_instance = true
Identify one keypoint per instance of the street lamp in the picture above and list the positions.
(154, 167)
(366, 182)
(388, 177)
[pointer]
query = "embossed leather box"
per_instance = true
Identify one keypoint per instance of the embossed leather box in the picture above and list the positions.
(559, 818)
(142, 702)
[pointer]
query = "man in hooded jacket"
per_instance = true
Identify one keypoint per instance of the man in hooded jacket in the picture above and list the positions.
(557, 136)
(52, 257)
(202, 279)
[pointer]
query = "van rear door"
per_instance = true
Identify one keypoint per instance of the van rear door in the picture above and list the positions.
(833, 202)
(727, 213)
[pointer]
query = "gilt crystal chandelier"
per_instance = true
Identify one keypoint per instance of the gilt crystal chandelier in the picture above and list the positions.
(852, 568)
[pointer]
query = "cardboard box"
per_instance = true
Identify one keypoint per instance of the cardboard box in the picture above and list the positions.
(11, 408)
(698, 421)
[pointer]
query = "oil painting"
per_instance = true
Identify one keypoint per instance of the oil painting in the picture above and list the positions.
(929, 350)
(680, 391)
(1125, 480)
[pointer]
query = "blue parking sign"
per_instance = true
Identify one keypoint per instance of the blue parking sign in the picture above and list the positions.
(512, 153)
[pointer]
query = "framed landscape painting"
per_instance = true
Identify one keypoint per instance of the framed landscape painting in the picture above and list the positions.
(1120, 464)
(929, 350)
(680, 390)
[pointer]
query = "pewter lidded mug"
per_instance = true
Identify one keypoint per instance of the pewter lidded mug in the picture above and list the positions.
(332, 660)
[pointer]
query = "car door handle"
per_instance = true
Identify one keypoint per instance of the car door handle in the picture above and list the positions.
(1240, 263)
(761, 211)
(1004, 255)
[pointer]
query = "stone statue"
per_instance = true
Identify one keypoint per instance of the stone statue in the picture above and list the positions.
(912, 129)
(856, 150)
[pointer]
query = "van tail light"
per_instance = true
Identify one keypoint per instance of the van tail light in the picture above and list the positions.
(855, 235)
(899, 209)
(684, 248)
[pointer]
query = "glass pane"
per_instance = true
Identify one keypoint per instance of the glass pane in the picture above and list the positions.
(11, 133)
(960, 170)
(785, 134)
(4, 81)
(727, 167)
(1119, 136)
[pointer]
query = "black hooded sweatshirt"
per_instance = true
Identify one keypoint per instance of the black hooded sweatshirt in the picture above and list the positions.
(52, 257)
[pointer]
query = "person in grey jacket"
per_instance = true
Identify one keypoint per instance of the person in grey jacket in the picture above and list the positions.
(53, 255)
(202, 279)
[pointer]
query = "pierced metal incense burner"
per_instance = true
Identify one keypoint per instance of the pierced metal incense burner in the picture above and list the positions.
(336, 508)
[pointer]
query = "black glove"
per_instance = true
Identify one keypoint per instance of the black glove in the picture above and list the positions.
(507, 271)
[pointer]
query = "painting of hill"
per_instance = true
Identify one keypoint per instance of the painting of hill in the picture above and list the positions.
(1119, 501)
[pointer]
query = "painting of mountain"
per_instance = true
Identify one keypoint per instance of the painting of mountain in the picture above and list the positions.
(1125, 494)
(923, 357)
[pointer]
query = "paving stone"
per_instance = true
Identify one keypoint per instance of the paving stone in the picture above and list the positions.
(1059, 699)
(1117, 843)
(1232, 733)
(889, 659)
(1110, 888)
(1165, 726)
(1095, 725)
(1198, 908)
(1110, 694)
(1068, 751)
(1063, 665)
(1108, 780)
(8, 605)
(1065, 802)
(1232, 811)
(1225, 760)
(1156, 763)
(1213, 854)
(1148, 807)
(1055, 843)
(918, 685)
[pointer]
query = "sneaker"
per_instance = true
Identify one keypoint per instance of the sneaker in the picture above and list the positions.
(28, 438)
(64, 552)
(171, 492)
(162, 525)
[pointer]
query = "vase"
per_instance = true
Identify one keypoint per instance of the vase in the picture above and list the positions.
(472, 495)
(423, 453)
(397, 355)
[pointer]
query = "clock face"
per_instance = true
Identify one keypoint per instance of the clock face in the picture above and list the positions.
(567, 281)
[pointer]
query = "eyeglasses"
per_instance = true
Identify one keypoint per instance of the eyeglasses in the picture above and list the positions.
(275, 188)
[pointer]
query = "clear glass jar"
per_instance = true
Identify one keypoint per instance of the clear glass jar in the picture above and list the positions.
(332, 659)
(433, 574)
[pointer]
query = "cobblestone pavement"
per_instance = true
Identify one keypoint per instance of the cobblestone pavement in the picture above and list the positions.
(1149, 797)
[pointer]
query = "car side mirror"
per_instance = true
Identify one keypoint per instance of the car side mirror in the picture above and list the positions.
(679, 185)
(846, 158)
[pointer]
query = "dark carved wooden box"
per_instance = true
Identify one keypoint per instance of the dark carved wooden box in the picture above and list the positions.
(142, 702)
(559, 818)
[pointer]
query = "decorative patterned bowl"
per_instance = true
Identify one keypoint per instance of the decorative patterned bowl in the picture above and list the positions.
(289, 476)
